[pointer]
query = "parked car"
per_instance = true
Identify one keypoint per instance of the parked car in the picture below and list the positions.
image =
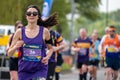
(5, 30)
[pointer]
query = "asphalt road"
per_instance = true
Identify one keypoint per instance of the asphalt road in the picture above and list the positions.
(73, 75)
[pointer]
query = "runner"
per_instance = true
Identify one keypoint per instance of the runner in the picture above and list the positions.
(32, 41)
(102, 55)
(111, 43)
(56, 40)
(58, 66)
(94, 58)
(81, 45)
(13, 61)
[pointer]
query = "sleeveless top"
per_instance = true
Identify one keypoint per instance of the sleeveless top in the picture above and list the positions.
(32, 52)
(110, 45)
(96, 54)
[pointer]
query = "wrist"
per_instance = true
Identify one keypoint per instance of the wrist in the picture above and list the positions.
(48, 57)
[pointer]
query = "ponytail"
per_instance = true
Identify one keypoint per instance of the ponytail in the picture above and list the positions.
(50, 21)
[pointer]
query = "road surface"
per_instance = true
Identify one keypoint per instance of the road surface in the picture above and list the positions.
(73, 75)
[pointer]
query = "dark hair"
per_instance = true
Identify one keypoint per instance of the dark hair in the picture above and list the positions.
(18, 22)
(50, 21)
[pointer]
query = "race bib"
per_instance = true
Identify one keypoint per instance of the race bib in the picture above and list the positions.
(83, 51)
(94, 55)
(32, 52)
(58, 69)
(111, 49)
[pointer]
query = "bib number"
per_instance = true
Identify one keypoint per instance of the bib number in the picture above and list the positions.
(32, 53)
(82, 52)
(58, 69)
(111, 49)
(94, 55)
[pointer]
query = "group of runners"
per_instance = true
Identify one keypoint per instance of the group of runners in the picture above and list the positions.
(92, 51)
(34, 50)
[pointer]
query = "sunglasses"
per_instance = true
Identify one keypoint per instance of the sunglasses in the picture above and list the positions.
(33, 13)
(19, 26)
(112, 31)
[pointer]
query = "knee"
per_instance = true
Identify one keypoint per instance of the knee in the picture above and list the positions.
(108, 71)
(84, 68)
(14, 78)
(116, 74)
(90, 70)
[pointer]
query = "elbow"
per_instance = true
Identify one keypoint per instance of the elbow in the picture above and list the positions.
(72, 49)
(52, 49)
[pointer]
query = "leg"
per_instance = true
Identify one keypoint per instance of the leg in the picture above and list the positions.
(108, 70)
(79, 66)
(95, 67)
(51, 70)
(84, 71)
(115, 68)
(13, 75)
(80, 74)
(90, 70)
(57, 72)
(94, 72)
(56, 76)
(108, 73)
(13, 65)
(115, 73)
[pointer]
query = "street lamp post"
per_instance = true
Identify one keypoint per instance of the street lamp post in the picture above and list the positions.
(72, 17)
(107, 15)
(72, 28)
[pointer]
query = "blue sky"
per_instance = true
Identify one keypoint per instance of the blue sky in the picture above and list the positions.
(113, 5)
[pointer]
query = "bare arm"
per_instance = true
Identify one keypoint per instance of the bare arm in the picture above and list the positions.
(46, 36)
(75, 49)
(16, 43)
(60, 47)
(119, 42)
(101, 47)
(8, 44)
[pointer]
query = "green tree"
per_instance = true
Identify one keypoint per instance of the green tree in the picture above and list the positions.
(99, 24)
(10, 11)
(13, 10)
(88, 8)
(62, 8)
